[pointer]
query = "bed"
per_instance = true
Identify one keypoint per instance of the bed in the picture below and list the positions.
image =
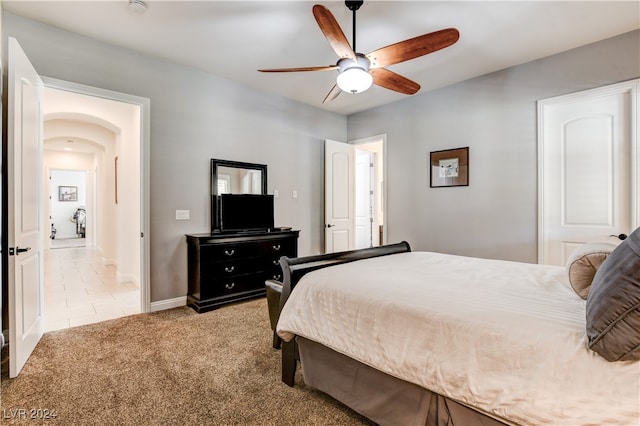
(427, 338)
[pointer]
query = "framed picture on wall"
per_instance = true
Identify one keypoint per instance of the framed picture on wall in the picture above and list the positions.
(67, 193)
(449, 167)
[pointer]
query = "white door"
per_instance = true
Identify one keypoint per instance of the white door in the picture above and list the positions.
(24, 169)
(339, 177)
(365, 206)
(588, 169)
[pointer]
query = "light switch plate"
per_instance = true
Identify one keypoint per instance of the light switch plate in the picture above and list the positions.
(183, 214)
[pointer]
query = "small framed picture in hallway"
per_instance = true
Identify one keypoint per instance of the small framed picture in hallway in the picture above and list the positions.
(67, 193)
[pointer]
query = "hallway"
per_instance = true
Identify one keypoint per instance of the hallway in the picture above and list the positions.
(79, 289)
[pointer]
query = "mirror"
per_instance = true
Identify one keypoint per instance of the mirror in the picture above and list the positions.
(234, 177)
(233, 180)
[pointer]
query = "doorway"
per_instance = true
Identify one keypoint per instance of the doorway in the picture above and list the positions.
(97, 135)
(355, 194)
(370, 192)
(67, 208)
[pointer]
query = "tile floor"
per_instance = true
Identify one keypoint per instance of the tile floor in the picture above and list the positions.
(79, 289)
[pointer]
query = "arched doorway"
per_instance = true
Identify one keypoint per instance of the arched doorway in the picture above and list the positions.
(102, 280)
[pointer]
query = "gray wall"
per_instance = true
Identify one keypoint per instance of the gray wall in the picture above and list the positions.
(495, 116)
(195, 117)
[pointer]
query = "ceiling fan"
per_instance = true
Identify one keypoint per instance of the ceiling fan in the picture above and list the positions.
(357, 72)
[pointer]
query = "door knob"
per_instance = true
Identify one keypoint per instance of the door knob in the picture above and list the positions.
(329, 225)
(18, 250)
(619, 236)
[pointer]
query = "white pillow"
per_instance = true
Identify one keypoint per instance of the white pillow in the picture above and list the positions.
(583, 264)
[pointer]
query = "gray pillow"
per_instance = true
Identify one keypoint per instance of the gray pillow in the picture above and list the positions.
(613, 305)
(583, 264)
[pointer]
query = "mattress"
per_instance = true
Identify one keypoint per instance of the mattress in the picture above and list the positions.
(505, 338)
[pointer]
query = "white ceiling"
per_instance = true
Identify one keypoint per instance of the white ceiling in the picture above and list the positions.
(233, 39)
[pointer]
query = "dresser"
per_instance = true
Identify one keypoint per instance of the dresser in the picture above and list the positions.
(228, 267)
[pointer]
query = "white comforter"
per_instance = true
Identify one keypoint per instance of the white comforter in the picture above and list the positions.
(506, 338)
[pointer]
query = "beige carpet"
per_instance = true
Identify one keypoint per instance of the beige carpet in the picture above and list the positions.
(174, 367)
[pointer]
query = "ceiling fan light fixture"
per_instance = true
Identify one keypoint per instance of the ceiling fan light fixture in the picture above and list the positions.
(354, 80)
(354, 76)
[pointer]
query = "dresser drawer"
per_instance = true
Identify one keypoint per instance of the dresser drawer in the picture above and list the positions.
(278, 247)
(222, 252)
(233, 285)
(216, 270)
(274, 273)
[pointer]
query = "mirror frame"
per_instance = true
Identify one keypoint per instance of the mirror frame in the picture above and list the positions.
(215, 200)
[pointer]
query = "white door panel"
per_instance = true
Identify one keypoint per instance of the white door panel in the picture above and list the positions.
(587, 172)
(339, 196)
(588, 153)
(24, 168)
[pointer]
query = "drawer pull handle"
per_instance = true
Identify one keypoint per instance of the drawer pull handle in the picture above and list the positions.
(277, 277)
(229, 252)
(229, 286)
(229, 269)
(276, 247)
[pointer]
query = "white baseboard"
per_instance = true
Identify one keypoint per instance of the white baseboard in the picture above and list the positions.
(162, 305)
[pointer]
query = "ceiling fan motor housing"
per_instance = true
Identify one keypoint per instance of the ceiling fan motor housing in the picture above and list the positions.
(361, 62)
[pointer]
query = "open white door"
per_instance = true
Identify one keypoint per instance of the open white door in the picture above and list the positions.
(339, 177)
(24, 176)
(588, 169)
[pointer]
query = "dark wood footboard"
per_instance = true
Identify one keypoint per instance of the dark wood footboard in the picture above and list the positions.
(296, 268)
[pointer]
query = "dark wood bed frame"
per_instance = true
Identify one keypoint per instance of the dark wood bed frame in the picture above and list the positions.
(294, 269)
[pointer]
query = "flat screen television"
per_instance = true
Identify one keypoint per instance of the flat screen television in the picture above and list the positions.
(246, 212)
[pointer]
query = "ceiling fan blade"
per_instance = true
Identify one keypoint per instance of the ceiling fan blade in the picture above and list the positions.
(413, 48)
(332, 31)
(333, 93)
(393, 81)
(327, 68)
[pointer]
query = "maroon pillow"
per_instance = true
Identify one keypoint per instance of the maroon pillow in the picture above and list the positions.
(613, 304)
